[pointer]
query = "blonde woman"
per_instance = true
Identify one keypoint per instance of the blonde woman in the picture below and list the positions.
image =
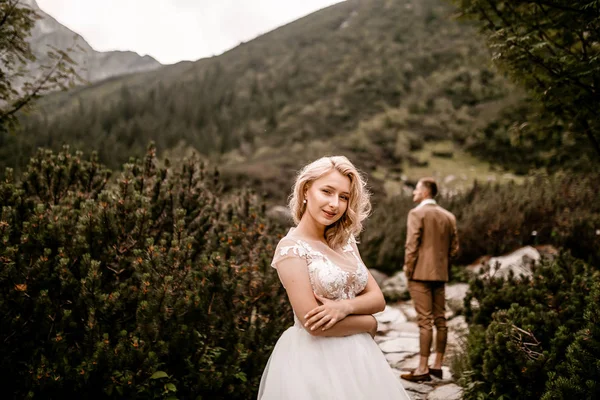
(329, 353)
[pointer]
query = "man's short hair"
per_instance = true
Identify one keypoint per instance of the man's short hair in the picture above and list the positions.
(431, 185)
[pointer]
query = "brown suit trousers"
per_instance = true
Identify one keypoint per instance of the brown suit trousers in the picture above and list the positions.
(431, 240)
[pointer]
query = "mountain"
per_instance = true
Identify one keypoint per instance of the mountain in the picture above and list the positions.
(399, 86)
(93, 66)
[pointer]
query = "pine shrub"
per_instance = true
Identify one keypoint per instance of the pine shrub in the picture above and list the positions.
(521, 328)
(577, 376)
(152, 284)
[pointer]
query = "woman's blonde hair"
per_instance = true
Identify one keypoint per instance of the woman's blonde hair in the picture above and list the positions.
(359, 205)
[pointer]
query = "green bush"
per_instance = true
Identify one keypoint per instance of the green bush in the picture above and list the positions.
(577, 376)
(495, 219)
(150, 285)
(520, 329)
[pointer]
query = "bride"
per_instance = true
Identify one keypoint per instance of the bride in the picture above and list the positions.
(329, 353)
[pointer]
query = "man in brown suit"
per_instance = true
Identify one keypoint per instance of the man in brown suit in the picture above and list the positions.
(431, 240)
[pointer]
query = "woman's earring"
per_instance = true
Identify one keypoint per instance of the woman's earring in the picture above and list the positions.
(304, 201)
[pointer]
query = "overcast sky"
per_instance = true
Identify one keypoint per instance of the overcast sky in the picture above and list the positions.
(175, 30)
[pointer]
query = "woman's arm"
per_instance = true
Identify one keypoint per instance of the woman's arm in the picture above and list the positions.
(350, 325)
(293, 273)
(330, 312)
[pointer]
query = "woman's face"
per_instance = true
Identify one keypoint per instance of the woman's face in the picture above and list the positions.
(327, 198)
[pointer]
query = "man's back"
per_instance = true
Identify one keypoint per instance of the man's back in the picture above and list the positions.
(431, 240)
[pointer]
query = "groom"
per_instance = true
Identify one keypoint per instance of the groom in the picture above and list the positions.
(431, 240)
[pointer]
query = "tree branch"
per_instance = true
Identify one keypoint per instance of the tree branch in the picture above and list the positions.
(31, 95)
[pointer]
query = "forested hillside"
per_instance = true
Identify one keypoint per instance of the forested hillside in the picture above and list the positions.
(372, 79)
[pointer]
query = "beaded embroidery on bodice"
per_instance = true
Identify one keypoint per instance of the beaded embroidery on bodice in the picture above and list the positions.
(327, 278)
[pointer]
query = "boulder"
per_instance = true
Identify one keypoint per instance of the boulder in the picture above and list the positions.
(547, 251)
(519, 262)
(408, 309)
(477, 265)
(455, 297)
(379, 276)
(395, 287)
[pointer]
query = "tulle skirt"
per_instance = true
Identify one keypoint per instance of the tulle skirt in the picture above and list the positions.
(305, 367)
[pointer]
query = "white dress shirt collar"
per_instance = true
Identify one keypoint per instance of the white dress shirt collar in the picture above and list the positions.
(426, 201)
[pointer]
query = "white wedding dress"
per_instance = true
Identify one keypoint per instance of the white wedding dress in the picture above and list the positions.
(306, 367)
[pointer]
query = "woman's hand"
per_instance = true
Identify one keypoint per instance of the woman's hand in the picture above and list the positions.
(327, 314)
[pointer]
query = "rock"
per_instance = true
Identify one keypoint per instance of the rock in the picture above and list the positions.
(519, 262)
(457, 333)
(458, 324)
(390, 314)
(450, 391)
(405, 327)
(421, 388)
(400, 345)
(383, 329)
(395, 358)
(410, 363)
(547, 251)
(413, 362)
(446, 374)
(416, 391)
(476, 267)
(455, 297)
(395, 287)
(379, 276)
(392, 334)
(409, 310)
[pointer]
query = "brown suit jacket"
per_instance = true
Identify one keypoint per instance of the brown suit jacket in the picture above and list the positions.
(431, 240)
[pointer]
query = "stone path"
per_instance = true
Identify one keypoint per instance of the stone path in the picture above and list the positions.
(398, 338)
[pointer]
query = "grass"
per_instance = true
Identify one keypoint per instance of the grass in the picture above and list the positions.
(456, 173)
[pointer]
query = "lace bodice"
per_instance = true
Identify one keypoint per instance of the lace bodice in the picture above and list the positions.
(334, 274)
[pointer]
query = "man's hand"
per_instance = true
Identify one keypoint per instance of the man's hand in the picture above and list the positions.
(327, 314)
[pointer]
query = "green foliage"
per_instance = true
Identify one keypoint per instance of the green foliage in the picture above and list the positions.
(521, 328)
(151, 284)
(18, 87)
(523, 136)
(562, 210)
(577, 375)
(550, 48)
